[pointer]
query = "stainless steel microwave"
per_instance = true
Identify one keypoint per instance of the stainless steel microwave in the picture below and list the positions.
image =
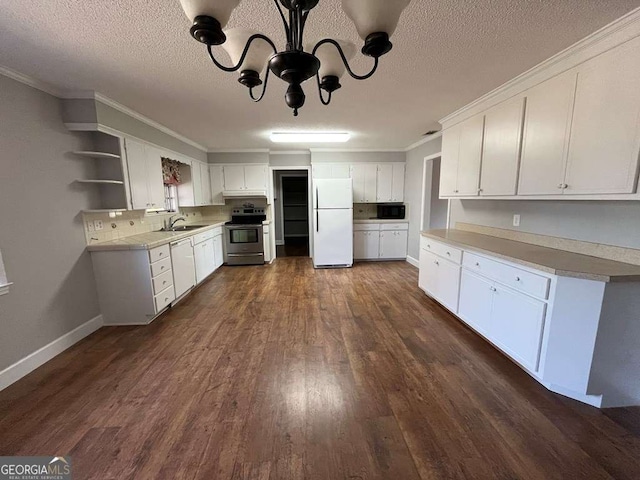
(391, 211)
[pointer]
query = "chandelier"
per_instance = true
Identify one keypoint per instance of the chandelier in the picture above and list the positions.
(327, 60)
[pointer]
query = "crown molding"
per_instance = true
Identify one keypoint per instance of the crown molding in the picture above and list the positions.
(240, 150)
(423, 141)
(610, 36)
(289, 152)
(30, 81)
(144, 119)
(356, 150)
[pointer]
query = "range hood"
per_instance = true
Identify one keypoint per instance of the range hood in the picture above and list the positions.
(244, 193)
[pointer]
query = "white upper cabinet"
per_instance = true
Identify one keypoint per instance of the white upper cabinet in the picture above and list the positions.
(196, 184)
(501, 149)
(461, 158)
(546, 135)
(145, 175)
(216, 183)
(384, 183)
(390, 182)
(449, 162)
(233, 177)
(331, 170)
(245, 178)
(605, 134)
(580, 136)
(397, 185)
(364, 177)
(255, 177)
(205, 183)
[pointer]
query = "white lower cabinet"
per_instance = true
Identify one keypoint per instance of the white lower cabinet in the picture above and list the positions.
(512, 321)
(476, 298)
(205, 259)
(393, 244)
(380, 241)
(578, 337)
(495, 299)
(440, 279)
(366, 245)
(218, 249)
(516, 325)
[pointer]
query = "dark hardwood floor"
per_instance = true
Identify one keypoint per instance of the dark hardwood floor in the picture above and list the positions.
(286, 372)
(294, 247)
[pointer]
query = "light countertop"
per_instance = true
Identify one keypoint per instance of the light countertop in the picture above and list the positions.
(378, 220)
(145, 241)
(550, 260)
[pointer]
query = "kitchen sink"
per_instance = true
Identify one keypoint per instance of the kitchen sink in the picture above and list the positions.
(182, 228)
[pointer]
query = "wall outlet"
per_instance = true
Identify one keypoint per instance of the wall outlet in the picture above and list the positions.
(516, 220)
(98, 225)
(90, 227)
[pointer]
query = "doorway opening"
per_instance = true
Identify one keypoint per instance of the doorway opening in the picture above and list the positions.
(292, 213)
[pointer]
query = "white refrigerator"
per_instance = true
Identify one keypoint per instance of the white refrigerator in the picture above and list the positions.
(332, 223)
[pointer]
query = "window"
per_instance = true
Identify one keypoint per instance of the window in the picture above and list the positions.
(4, 283)
(171, 198)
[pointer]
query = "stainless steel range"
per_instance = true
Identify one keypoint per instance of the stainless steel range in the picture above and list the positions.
(243, 236)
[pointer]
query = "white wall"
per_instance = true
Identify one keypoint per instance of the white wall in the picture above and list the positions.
(238, 157)
(413, 190)
(41, 234)
(608, 222)
(301, 159)
(357, 157)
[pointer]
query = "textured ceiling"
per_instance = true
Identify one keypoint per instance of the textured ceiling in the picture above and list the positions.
(139, 53)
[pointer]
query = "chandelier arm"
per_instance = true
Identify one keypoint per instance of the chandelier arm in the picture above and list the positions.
(345, 61)
(328, 101)
(244, 53)
(303, 22)
(284, 19)
(264, 88)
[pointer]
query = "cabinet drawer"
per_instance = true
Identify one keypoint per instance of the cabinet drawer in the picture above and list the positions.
(202, 237)
(164, 298)
(162, 282)
(161, 266)
(364, 227)
(159, 253)
(394, 226)
(217, 231)
(526, 282)
(441, 249)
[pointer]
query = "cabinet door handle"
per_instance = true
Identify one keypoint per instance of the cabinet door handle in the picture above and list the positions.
(493, 289)
(517, 279)
(477, 264)
(449, 253)
(437, 262)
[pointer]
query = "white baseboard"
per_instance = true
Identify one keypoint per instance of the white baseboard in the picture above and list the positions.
(28, 364)
(413, 261)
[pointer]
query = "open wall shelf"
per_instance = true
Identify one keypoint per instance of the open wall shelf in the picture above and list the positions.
(101, 182)
(90, 154)
(104, 167)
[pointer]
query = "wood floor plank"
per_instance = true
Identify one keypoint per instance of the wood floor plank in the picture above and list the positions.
(284, 372)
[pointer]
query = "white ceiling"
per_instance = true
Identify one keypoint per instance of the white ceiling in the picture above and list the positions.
(139, 53)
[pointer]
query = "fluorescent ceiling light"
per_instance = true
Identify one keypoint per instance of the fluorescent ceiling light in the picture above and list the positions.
(310, 137)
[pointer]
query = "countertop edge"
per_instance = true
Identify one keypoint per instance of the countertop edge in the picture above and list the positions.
(536, 266)
(106, 246)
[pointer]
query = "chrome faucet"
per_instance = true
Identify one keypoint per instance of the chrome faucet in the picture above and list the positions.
(172, 222)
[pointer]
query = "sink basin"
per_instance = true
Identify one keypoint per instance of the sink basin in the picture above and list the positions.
(182, 228)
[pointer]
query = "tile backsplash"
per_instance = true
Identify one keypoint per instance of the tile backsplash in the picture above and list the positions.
(117, 225)
(364, 211)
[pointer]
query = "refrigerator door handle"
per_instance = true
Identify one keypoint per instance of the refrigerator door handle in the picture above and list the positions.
(317, 220)
(317, 199)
